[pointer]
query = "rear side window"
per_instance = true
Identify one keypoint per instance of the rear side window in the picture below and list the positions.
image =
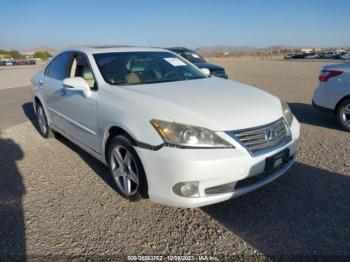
(57, 69)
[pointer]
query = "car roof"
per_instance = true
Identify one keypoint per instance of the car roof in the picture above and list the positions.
(114, 48)
(178, 49)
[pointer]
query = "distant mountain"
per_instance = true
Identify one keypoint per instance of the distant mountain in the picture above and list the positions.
(239, 50)
(222, 50)
(49, 49)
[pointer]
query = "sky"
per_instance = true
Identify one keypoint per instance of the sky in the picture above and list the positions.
(28, 24)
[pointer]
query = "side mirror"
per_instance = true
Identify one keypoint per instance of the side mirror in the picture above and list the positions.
(78, 83)
(205, 71)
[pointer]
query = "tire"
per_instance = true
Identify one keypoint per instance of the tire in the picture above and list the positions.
(343, 114)
(43, 126)
(126, 169)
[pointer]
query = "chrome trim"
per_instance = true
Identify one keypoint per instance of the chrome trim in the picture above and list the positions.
(256, 140)
(72, 121)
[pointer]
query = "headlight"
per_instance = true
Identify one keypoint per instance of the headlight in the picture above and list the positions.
(287, 113)
(188, 136)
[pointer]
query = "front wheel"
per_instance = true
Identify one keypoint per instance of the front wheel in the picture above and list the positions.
(126, 169)
(44, 128)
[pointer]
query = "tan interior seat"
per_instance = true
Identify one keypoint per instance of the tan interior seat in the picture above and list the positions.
(132, 78)
(88, 76)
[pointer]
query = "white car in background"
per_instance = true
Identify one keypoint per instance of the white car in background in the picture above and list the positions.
(165, 129)
(333, 92)
(346, 56)
(10, 63)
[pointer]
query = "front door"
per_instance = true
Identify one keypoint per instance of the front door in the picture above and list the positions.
(79, 113)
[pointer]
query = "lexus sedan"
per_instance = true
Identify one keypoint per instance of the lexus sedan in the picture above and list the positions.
(199, 61)
(333, 93)
(165, 129)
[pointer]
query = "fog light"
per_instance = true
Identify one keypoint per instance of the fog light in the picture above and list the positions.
(186, 189)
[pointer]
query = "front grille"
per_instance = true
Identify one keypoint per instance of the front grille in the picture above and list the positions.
(263, 137)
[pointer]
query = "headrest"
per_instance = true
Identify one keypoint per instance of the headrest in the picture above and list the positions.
(137, 67)
(87, 74)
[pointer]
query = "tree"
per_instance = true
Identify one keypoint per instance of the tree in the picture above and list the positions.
(15, 54)
(42, 55)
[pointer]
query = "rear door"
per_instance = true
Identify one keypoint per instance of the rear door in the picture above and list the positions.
(51, 88)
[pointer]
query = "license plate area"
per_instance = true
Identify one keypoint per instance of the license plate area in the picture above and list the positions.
(275, 161)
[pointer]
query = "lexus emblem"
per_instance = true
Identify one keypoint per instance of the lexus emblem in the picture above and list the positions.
(270, 134)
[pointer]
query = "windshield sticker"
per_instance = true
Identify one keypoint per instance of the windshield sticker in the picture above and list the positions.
(195, 55)
(174, 61)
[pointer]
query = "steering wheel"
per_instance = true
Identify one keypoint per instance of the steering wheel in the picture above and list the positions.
(170, 73)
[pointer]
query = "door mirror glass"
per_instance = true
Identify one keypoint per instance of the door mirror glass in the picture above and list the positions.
(78, 83)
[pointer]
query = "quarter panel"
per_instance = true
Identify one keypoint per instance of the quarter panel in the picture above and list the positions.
(114, 109)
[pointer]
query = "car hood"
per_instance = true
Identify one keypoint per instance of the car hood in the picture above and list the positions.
(211, 67)
(213, 103)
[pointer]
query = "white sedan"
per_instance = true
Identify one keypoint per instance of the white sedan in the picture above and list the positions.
(333, 92)
(165, 129)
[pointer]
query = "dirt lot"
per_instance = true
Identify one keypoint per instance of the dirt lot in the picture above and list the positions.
(16, 76)
(57, 200)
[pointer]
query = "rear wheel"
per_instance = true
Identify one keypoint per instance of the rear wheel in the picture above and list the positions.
(126, 169)
(44, 128)
(343, 114)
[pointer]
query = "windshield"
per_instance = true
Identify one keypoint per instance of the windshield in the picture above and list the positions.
(191, 56)
(135, 68)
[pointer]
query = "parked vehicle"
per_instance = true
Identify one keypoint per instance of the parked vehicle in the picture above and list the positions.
(164, 128)
(289, 56)
(296, 56)
(321, 55)
(21, 62)
(333, 93)
(199, 61)
(338, 55)
(330, 55)
(10, 62)
(2, 62)
(312, 56)
(31, 62)
(346, 56)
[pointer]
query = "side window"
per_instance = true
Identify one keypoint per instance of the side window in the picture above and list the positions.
(57, 69)
(47, 68)
(80, 68)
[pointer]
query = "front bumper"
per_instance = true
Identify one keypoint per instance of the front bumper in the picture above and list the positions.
(168, 166)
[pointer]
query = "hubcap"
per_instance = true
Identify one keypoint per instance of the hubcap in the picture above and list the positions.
(124, 170)
(345, 115)
(42, 120)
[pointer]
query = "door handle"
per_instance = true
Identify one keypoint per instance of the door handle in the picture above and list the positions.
(41, 83)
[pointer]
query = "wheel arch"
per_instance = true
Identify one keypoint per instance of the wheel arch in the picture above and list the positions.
(36, 102)
(112, 132)
(341, 101)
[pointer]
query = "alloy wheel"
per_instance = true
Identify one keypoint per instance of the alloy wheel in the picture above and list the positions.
(124, 170)
(42, 120)
(345, 115)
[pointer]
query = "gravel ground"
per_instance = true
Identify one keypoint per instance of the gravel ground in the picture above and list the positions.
(57, 200)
